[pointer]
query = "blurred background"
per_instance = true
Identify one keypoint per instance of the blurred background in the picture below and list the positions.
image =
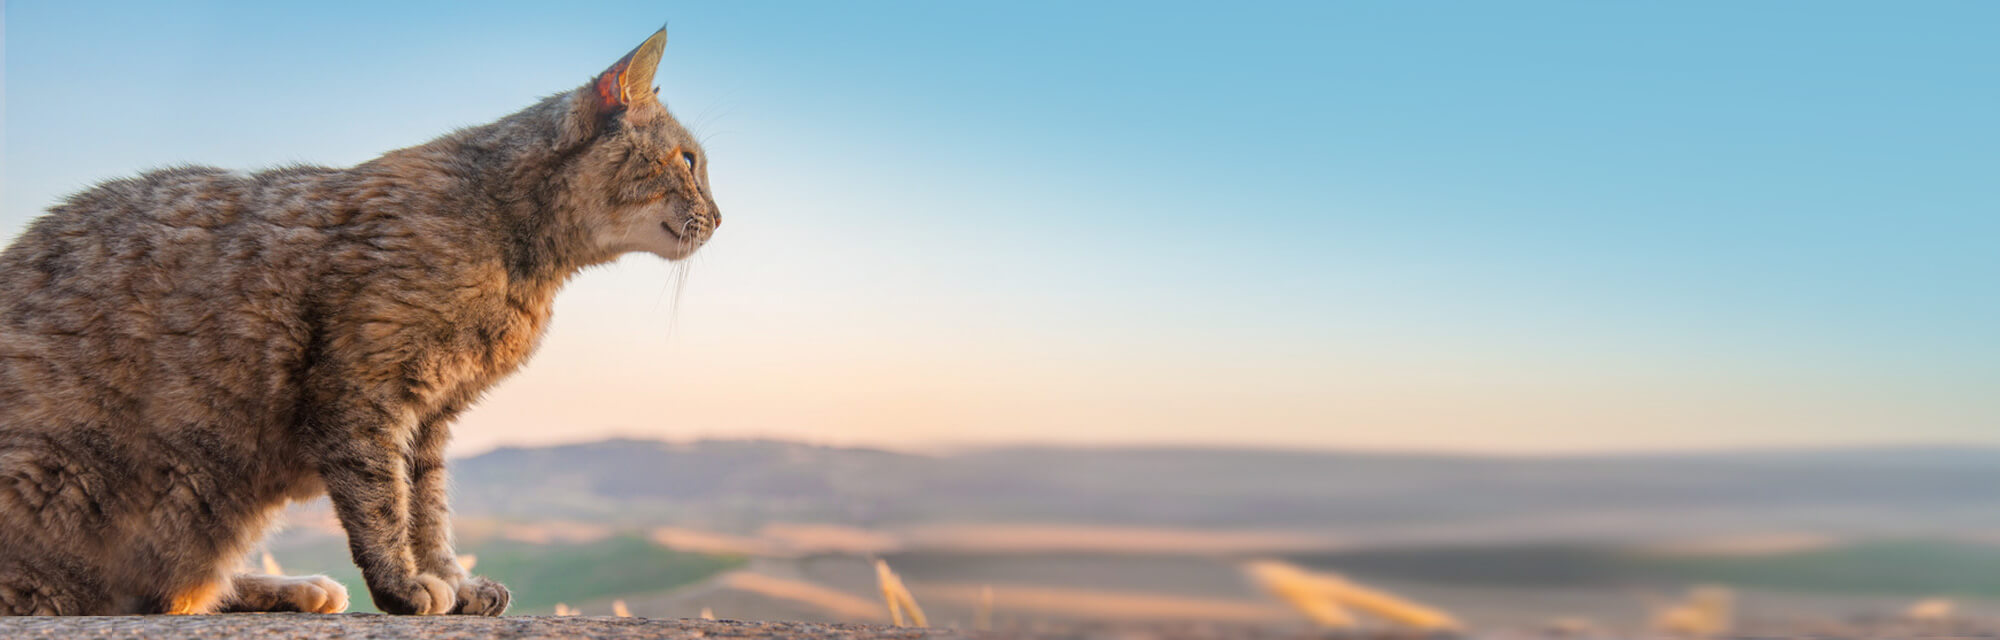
(1532, 312)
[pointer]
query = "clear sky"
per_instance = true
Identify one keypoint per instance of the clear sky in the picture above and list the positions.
(1479, 226)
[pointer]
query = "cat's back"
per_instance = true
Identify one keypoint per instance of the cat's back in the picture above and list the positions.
(176, 223)
(184, 282)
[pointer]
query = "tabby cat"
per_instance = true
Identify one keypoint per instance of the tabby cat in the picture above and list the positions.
(184, 352)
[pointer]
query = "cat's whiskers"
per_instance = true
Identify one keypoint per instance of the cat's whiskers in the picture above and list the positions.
(708, 117)
(721, 108)
(681, 269)
(705, 138)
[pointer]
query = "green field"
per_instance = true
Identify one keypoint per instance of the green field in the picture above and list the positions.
(1892, 567)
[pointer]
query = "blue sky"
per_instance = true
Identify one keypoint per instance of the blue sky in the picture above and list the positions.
(1456, 226)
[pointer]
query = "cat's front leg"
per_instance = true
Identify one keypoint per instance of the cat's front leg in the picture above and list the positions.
(430, 522)
(359, 445)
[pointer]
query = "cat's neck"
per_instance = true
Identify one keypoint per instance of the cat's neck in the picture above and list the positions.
(510, 176)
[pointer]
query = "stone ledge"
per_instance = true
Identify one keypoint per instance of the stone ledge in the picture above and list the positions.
(377, 627)
(355, 626)
(360, 626)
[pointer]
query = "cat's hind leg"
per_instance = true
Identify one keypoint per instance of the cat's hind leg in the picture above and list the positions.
(23, 594)
(256, 592)
(49, 585)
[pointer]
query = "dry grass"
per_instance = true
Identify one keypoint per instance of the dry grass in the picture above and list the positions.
(1323, 611)
(898, 597)
(1707, 612)
(839, 603)
(1325, 597)
(982, 613)
(1931, 611)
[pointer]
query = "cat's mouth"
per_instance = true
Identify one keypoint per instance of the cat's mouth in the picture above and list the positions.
(692, 230)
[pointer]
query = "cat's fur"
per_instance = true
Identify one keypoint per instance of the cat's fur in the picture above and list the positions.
(184, 352)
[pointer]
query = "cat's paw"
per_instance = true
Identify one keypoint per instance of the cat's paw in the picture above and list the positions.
(426, 595)
(316, 594)
(478, 596)
(263, 592)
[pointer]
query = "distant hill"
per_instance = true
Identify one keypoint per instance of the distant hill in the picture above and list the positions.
(739, 485)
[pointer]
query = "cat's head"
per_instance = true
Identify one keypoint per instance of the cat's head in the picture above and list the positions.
(638, 181)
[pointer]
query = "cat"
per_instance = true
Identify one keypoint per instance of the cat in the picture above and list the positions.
(185, 352)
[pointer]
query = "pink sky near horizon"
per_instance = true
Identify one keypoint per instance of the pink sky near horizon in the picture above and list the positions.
(754, 362)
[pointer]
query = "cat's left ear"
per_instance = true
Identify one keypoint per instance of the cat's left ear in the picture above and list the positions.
(631, 79)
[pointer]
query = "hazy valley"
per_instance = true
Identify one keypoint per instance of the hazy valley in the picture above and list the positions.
(767, 530)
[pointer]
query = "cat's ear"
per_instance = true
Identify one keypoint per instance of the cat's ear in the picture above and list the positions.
(631, 79)
(624, 84)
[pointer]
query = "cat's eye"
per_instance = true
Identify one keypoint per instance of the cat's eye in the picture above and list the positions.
(688, 157)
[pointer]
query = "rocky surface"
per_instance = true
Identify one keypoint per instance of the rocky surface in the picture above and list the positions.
(353, 626)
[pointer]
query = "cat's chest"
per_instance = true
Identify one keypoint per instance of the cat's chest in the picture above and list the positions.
(483, 343)
(514, 337)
